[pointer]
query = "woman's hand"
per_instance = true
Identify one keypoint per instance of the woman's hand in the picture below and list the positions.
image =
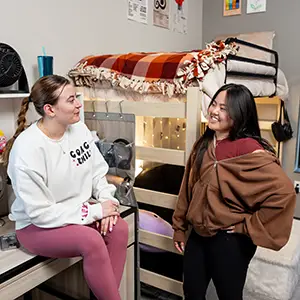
(107, 224)
(179, 246)
(110, 208)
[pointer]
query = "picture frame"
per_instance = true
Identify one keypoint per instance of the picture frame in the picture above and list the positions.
(232, 7)
(256, 6)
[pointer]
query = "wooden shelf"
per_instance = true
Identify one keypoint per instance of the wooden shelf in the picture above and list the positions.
(13, 95)
(19, 95)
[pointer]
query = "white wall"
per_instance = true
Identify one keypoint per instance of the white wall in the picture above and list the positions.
(72, 29)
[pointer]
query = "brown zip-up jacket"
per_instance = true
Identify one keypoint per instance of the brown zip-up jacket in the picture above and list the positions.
(250, 191)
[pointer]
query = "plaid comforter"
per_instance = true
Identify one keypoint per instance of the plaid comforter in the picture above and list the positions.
(166, 73)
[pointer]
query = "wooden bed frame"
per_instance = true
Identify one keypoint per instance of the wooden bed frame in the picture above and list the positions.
(191, 111)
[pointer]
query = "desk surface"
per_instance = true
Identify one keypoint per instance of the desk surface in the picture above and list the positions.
(14, 258)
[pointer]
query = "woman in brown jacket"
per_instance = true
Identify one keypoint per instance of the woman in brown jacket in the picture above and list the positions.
(234, 197)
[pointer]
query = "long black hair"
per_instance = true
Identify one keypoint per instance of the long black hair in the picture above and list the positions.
(242, 110)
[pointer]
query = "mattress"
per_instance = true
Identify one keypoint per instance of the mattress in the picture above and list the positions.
(213, 80)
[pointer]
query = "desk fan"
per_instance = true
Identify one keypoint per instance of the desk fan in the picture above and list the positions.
(11, 70)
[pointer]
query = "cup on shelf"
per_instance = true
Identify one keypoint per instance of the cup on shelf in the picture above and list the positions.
(45, 65)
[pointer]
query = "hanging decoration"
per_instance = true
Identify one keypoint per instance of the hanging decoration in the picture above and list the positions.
(232, 7)
(180, 16)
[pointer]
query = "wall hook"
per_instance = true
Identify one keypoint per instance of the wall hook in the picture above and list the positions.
(106, 106)
(121, 111)
(94, 109)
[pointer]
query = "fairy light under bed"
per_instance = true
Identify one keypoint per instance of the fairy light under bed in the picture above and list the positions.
(164, 133)
(169, 133)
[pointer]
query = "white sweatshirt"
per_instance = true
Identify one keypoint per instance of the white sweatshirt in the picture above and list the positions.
(54, 180)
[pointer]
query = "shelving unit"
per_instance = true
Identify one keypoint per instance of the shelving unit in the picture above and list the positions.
(9, 108)
(13, 95)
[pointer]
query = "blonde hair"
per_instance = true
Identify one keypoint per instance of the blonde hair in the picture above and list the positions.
(44, 91)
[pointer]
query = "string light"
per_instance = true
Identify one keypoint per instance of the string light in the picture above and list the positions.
(175, 125)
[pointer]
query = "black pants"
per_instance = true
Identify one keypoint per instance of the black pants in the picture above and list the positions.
(224, 258)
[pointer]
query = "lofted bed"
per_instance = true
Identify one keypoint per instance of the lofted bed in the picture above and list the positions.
(145, 78)
(170, 107)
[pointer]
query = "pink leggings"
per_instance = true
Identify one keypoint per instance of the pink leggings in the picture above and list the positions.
(103, 257)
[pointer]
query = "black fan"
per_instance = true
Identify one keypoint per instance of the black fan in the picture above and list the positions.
(11, 69)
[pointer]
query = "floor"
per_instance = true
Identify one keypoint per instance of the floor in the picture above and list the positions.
(151, 293)
(152, 298)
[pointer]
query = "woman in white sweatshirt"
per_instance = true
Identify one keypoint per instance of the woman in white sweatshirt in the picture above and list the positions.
(64, 206)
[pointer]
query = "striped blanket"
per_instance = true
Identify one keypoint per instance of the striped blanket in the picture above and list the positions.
(166, 73)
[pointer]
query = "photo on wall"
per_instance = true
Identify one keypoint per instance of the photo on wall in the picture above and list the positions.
(256, 6)
(161, 13)
(138, 11)
(232, 7)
